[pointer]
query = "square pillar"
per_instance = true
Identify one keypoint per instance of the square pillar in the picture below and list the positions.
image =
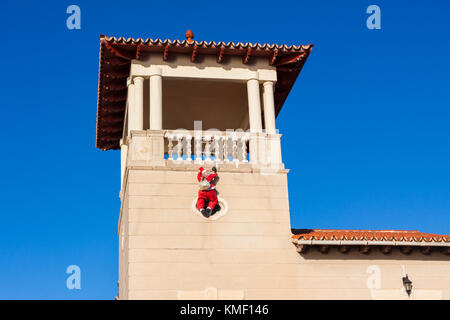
(274, 151)
(146, 148)
(123, 161)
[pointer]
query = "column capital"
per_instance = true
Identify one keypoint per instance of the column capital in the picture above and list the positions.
(138, 78)
(254, 75)
(155, 71)
(268, 83)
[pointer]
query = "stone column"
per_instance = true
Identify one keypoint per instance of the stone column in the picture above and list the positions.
(269, 108)
(254, 103)
(130, 107)
(273, 146)
(254, 113)
(138, 110)
(155, 98)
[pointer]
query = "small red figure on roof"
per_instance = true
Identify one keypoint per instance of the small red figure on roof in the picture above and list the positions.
(189, 36)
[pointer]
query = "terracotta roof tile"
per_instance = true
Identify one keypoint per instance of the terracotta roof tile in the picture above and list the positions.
(368, 235)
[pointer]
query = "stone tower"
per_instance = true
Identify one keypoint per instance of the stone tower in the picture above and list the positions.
(171, 107)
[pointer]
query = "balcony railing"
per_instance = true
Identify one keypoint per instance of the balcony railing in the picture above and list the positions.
(206, 146)
(160, 148)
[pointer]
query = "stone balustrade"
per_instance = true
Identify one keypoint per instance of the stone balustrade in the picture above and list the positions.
(206, 146)
(231, 148)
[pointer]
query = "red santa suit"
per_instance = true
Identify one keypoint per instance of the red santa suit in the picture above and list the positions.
(210, 194)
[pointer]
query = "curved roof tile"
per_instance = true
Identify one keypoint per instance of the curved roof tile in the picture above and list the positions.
(368, 235)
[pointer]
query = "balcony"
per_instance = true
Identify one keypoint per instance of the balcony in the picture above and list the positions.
(231, 149)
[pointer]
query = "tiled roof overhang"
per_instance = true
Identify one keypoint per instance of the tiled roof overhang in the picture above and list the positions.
(385, 239)
(114, 67)
(369, 235)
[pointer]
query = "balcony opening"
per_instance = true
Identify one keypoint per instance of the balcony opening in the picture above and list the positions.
(218, 104)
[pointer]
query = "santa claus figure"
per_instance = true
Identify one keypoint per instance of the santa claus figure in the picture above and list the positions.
(207, 195)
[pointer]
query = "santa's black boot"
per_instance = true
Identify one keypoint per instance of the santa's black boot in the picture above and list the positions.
(208, 212)
(204, 213)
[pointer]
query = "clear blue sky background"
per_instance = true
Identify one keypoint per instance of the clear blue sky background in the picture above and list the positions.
(365, 129)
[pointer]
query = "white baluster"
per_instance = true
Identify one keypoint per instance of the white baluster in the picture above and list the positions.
(224, 148)
(170, 146)
(188, 147)
(198, 148)
(207, 149)
(217, 149)
(179, 147)
(234, 149)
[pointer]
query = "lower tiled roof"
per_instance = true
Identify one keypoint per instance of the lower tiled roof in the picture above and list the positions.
(368, 235)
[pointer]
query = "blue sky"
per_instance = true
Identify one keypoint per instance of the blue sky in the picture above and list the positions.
(365, 128)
